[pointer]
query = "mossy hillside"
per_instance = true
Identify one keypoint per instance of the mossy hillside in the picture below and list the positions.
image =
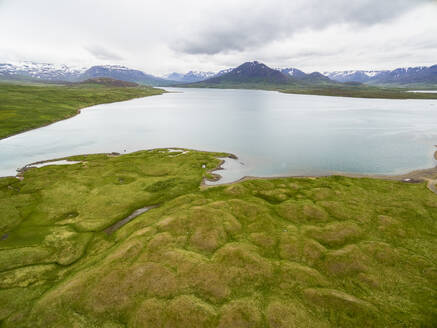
(25, 107)
(288, 252)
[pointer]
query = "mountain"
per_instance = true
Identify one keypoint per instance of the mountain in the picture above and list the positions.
(251, 72)
(294, 72)
(256, 74)
(191, 76)
(402, 76)
(299, 75)
(62, 73)
(123, 73)
(223, 71)
(352, 76)
(409, 75)
(314, 78)
(40, 71)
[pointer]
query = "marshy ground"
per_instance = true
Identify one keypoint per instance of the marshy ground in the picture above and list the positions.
(286, 252)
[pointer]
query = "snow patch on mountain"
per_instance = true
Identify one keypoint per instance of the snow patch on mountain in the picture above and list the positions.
(42, 71)
(191, 76)
(352, 75)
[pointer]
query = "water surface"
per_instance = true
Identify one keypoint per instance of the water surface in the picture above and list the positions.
(272, 133)
(424, 91)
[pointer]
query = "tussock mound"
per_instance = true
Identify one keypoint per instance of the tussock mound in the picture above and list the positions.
(288, 252)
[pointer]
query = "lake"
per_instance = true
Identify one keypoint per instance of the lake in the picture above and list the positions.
(273, 134)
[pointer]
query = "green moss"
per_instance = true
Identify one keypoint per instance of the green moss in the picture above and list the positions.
(289, 252)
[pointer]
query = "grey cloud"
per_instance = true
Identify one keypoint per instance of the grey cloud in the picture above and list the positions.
(253, 26)
(102, 53)
(210, 35)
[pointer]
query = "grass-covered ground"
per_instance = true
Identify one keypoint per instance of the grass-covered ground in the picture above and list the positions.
(25, 107)
(361, 91)
(327, 89)
(286, 252)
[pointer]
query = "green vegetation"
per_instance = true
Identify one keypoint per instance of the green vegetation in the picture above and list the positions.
(361, 91)
(325, 89)
(286, 252)
(410, 86)
(25, 107)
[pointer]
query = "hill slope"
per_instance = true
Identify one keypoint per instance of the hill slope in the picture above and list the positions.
(285, 252)
(108, 82)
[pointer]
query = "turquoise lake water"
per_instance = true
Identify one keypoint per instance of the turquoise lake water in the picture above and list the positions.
(273, 134)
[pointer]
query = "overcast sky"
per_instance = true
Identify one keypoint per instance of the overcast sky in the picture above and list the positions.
(165, 36)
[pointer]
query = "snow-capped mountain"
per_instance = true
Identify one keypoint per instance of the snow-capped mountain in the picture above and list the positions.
(258, 73)
(191, 76)
(419, 74)
(195, 76)
(64, 73)
(40, 71)
(408, 75)
(123, 73)
(249, 72)
(352, 76)
(294, 72)
(223, 71)
(299, 75)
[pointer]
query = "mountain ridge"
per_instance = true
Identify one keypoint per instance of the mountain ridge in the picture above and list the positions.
(44, 72)
(253, 72)
(191, 76)
(52, 73)
(123, 73)
(402, 76)
(256, 73)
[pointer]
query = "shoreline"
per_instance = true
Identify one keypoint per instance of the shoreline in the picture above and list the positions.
(428, 175)
(416, 175)
(28, 166)
(78, 111)
(398, 94)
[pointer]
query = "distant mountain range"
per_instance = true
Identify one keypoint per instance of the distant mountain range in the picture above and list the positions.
(294, 72)
(62, 73)
(352, 76)
(124, 74)
(191, 76)
(401, 76)
(40, 71)
(256, 73)
(250, 72)
(194, 76)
